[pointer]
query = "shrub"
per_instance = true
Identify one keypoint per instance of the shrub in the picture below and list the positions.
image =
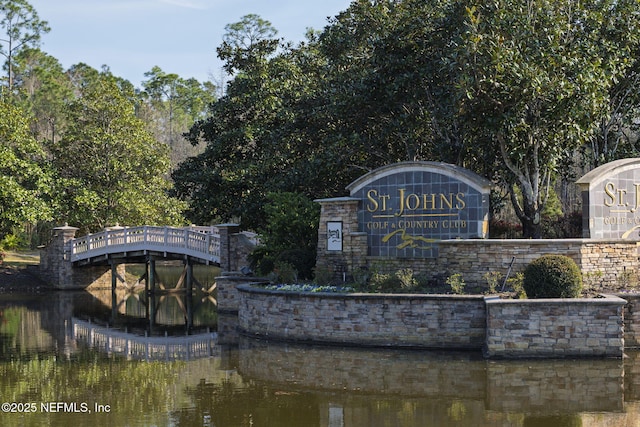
(322, 275)
(456, 281)
(290, 234)
(285, 273)
(303, 260)
(493, 279)
(552, 276)
(12, 242)
(384, 282)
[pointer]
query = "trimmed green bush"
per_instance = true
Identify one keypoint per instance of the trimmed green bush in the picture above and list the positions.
(552, 276)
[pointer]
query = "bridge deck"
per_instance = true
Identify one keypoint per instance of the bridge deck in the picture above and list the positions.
(130, 244)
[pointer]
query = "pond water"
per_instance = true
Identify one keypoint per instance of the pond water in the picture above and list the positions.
(75, 358)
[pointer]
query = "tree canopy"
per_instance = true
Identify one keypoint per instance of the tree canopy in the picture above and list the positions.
(24, 180)
(22, 28)
(109, 167)
(536, 76)
(511, 90)
(520, 92)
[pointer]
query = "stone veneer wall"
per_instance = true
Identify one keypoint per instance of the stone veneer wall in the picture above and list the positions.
(426, 321)
(555, 328)
(228, 297)
(354, 253)
(581, 327)
(631, 320)
(608, 260)
(613, 261)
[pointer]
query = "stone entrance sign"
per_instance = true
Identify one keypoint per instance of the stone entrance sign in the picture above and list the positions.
(611, 200)
(406, 208)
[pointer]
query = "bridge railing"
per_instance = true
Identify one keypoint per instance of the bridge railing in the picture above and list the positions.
(202, 242)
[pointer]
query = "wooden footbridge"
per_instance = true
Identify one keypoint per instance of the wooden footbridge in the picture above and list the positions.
(77, 262)
(131, 244)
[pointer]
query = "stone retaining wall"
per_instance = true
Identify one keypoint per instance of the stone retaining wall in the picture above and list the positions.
(631, 320)
(611, 261)
(601, 261)
(426, 321)
(580, 327)
(228, 297)
(553, 328)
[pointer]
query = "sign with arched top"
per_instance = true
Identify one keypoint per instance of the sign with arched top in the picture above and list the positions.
(406, 208)
(611, 200)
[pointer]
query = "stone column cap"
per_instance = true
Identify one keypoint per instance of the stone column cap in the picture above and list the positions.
(66, 226)
(345, 199)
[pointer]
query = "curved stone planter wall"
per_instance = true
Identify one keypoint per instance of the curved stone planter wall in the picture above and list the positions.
(551, 328)
(395, 320)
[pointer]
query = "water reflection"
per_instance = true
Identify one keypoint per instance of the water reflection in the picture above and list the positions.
(47, 356)
(172, 309)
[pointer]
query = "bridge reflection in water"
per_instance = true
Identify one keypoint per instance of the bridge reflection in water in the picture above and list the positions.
(131, 346)
(171, 323)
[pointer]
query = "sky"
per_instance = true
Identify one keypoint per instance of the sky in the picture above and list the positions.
(179, 36)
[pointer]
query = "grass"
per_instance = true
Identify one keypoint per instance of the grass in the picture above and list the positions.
(21, 258)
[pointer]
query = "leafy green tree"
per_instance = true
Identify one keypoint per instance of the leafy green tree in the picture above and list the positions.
(290, 233)
(109, 168)
(387, 90)
(22, 28)
(248, 40)
(536, 75)
(222, 183)
(508, 89)
(24, 181)
(175, 104)
(44, 89)
(618, 128)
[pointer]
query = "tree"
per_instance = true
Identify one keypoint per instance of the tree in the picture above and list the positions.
(22, 28)
(290, 234)
(249, 39)
(24, 181)
(618, 128)
(388, 91)
(43, 89)
(174, 105)
(109, 168)
(536, 76)
(225, 181)
(508, 89)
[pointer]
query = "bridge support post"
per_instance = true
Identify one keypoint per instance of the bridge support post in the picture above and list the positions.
(151, 275)
(189, 296)
(114, 296)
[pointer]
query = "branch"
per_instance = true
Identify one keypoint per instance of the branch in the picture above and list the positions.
(524, 182)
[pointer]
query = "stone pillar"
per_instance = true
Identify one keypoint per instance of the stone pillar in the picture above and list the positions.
(227, 263)
(340, 261)
(55, 259)
(57, 269)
